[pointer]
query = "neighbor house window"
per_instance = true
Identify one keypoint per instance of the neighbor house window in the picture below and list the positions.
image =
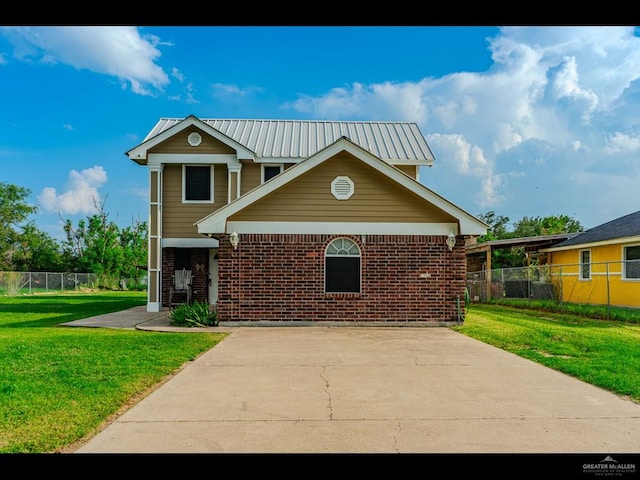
(342, 267)
(632, 262)
(197, 183)
(270, 171)
(585, 264)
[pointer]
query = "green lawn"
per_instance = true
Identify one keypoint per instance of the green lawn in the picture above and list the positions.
(59, 384)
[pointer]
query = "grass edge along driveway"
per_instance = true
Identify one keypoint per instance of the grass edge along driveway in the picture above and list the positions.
(600, 352)
(60, 385)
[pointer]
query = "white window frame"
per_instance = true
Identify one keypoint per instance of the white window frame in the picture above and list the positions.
(264, 165)
(184, 183)
(583, 264)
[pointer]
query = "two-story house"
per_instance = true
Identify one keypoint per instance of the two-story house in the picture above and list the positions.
(303, 222)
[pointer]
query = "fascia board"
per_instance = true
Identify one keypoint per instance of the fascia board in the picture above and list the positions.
(602, 243)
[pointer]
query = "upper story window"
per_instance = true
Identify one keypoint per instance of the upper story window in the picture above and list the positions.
(632, 262)
(270, 171)
(342, 267)
(585, 264)
(197, 183)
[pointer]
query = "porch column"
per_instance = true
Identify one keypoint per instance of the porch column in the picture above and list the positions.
(234, 180)
(154, 255)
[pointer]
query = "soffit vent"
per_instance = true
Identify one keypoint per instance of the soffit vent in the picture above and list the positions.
(194, 139)
(342, 188)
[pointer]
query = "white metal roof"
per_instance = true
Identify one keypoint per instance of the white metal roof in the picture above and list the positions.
(395, 142)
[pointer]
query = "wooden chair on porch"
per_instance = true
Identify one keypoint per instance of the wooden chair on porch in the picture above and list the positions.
(181, 285)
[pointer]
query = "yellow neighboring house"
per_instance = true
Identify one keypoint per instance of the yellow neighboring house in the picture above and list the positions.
(600, 266)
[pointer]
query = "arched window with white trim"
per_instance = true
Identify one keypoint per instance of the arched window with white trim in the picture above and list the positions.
(342, 266)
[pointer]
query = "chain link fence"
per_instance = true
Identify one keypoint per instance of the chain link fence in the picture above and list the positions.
(603, 283)
(21, 283)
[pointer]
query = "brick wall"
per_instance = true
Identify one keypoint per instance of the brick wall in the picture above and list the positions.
(273, 277)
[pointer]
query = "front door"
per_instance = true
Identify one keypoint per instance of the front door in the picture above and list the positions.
(213, 276)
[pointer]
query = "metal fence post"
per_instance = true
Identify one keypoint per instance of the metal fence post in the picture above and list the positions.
(561, 288)
(608, 294)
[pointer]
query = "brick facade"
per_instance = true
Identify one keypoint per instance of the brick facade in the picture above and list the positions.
(280, 278)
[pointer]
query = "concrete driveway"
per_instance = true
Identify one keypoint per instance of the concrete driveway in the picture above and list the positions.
(370, 390)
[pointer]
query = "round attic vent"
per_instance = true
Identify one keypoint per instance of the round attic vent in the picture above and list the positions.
(194, 139)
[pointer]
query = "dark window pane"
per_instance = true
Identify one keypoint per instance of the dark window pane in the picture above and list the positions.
(342, 274)
(585, 260)
(197, 183)
(632, 266)
(270, 172)
(633, 253)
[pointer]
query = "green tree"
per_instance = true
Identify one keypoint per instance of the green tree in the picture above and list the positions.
(133, 241)
(14, 214)
(525, 227)
(37, 251)
(553, 224)
(497, 226)
(97, 245)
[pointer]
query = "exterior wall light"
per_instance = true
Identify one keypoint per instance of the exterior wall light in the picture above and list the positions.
(451, 240)
(234, 240)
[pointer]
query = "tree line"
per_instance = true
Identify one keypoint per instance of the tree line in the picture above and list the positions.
(94, 245)
(498, 229)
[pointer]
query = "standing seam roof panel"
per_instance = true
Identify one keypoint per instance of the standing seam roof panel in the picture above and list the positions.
(299, 139)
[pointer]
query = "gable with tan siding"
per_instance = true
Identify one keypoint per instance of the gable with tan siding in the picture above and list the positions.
(308, 198)
(179, 144)
(178, 218)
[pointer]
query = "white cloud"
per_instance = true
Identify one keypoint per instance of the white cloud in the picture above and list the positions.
(556, 99)
(222, 90)
(388, 101)
(120, 52)
(621, 143)
(81, 195)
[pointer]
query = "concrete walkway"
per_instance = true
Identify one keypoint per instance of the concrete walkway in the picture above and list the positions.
(368, 390)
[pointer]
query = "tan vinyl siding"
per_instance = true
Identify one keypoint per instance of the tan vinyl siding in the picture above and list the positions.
(153, 255)
(153, 288)
(178, 218)
(153, 187)
(153, 220)
(179, 144)
(250, 176)
(376, 198)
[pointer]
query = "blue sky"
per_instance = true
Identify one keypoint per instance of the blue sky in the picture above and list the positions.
(523, 121)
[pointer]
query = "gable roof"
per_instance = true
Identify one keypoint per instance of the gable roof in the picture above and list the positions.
(623, 227)
(399, 143)
(216, 222)
(139, 154)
